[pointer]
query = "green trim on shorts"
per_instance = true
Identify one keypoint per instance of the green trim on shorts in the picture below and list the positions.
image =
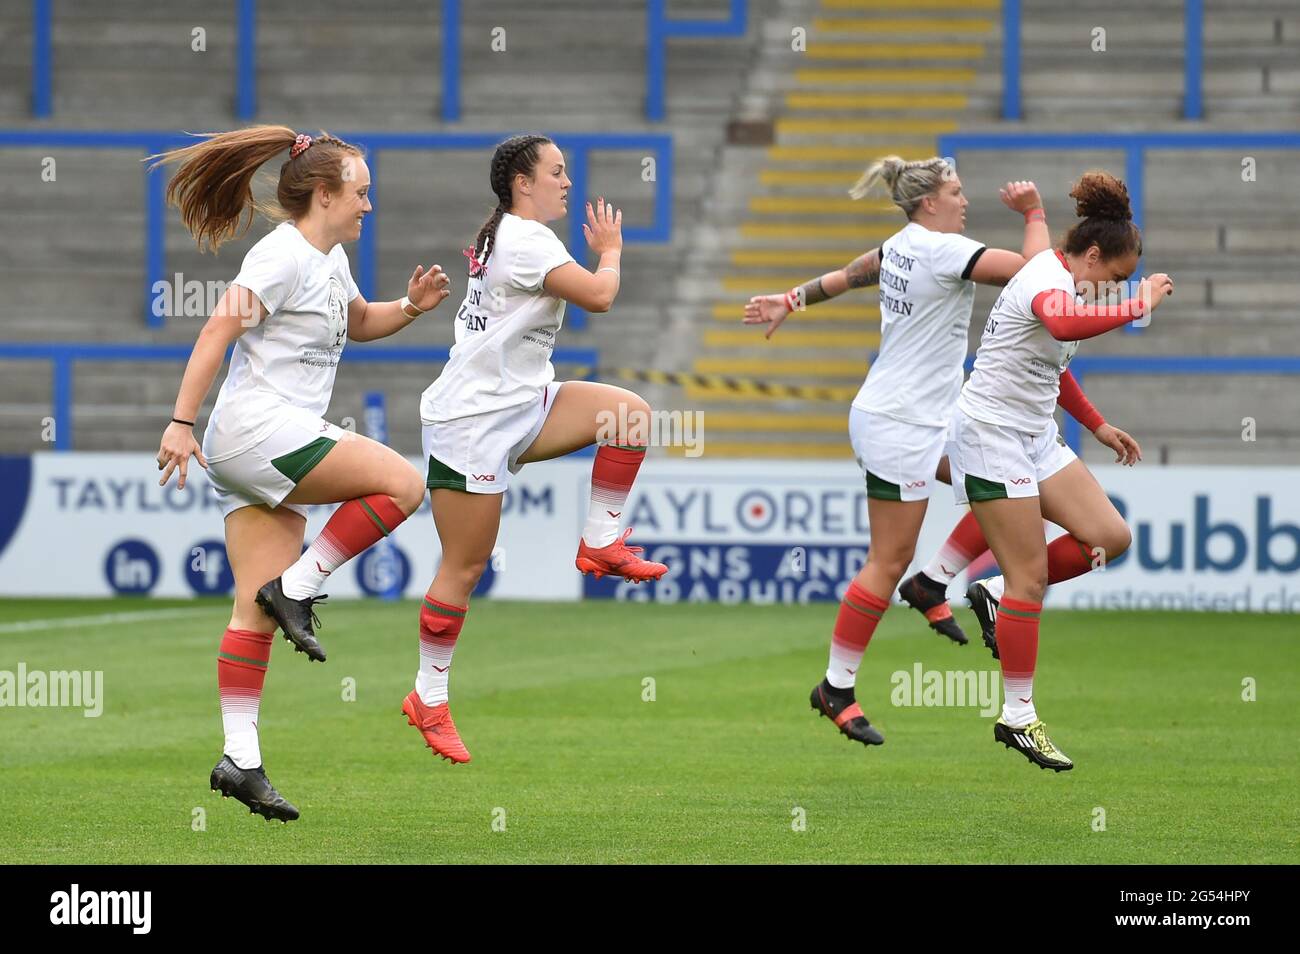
(297, 464)
(977, 488)
(442, 476)
(882, 489)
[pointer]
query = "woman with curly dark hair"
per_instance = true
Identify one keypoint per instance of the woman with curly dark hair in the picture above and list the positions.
(1008, 461)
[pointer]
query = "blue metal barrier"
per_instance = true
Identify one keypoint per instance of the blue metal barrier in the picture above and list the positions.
(578, 145)
(659, 28)
(1082, 366)
(1193, 41)
(62, 357)
(1135, 146)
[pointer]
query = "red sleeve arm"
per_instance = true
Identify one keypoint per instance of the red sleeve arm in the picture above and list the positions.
(1076, 403)
(1067, 321)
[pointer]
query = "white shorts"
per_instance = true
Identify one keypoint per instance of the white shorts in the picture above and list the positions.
(478, 454)
(990, 462)
(268, 471)
(899, 459)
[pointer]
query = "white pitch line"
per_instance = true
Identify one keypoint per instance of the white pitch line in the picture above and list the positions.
(104, 619)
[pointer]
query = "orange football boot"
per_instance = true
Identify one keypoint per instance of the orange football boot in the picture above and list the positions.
(435, 724)
(617, 559)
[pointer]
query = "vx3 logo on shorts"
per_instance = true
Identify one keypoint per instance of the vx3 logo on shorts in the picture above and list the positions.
(915, 483)
(485, 478)
(1020, 480)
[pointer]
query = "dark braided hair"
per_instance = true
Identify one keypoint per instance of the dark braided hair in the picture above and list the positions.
(1101, 201)
(517, 155)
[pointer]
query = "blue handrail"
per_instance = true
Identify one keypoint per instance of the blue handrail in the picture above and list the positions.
(42, 59)
(450, 61)
(63, 355)
(579, 146)
(246, 60)
(659, 27)
(1193, 41)
(1010, 59)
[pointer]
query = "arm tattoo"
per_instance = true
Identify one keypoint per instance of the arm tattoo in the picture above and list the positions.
(812, 292)
(864, 270)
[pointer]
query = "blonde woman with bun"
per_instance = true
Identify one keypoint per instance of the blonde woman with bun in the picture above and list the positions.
(898, 425)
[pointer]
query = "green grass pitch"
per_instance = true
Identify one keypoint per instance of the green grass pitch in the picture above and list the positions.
(549, 699)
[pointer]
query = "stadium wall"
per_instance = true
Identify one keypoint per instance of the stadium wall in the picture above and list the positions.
(1211, 538)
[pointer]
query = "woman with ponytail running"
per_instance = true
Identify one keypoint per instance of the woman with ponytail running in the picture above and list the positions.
(267, 448)
(496, 406)
(1007, 458)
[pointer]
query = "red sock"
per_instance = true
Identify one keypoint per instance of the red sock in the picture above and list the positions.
(856, 620)
(440, 625)
(1017, 627)
(356, 526)
(963, 545)
(241, 669)
(612, 476)
(1067, 557)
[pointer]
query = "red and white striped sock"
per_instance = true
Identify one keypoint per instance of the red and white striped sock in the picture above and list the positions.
(612, 476)
(963, 545)
(440, 624)
(1017, 624)
(242, 659)
(856, 620)
(356, 526)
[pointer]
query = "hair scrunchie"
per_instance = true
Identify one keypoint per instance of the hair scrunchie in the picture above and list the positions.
(300, 145)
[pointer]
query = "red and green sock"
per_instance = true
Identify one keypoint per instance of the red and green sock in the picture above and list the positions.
(242, 659)
(1017, 624)
(440, 625)
(612, 476)
(354, 527)
(859, 613)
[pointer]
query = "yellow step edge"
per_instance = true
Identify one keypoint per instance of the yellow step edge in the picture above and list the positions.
(813, 258)
(844, 127)
(912, 4)
(895, 51)
(771, 368)
(752, 336)
(763, 283)
(892, 27)
(886, 77)
(797, 451)
(866, 312)
(832, 396)
(865, 101)
(823, 205)
(769, 421)
(856, 154)
(868, 233)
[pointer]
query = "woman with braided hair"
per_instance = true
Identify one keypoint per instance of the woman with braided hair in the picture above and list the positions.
(268, 451)
(898, 424)
(1007, 459)
(497, 406)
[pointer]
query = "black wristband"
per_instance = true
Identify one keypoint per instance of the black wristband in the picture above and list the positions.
(177, 420)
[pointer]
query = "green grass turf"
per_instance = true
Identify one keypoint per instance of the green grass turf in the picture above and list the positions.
(549, 701)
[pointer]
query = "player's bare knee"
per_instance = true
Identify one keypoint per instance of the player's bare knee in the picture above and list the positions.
(1117, 540)
(636, 411)
(409, 492)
